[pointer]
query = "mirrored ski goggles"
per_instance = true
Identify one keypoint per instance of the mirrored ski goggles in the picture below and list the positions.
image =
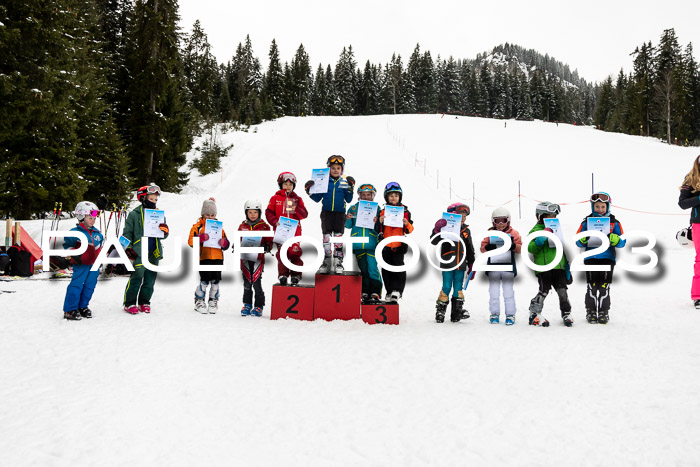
(153, 189)
(287, 177)
(366, 188)
(500, 220)
(92, 213)
(336, 159)
(602, 197)
(553, 208)
(392, 186)
(461, 210)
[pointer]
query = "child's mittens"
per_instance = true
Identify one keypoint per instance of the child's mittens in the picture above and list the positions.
(203, 237)
(308, 185)
(224, 243)
(569, 278)
(164, 228)
(131, 254)
(439, 225)
(267, 247)
(547, 229)
(351, 182)
(614, 239)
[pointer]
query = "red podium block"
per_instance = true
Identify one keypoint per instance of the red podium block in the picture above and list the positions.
(338, 296)
(295, 302)
(381, 313)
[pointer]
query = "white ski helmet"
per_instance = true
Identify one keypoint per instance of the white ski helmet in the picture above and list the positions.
(499, 213)
(86, 208)
(252, 204)
(685, 238)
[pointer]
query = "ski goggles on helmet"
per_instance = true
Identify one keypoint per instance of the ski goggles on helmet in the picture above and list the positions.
(392, 186)
(366, 188)
(602, 197)
(150, 189)
(336, 159)
(287, 177)
(91, 212)
(459, 209)
(550, 208)
(500, 220)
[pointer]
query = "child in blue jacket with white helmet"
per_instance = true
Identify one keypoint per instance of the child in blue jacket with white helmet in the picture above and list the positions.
(597, 299)
(83, 282)
(340, 189)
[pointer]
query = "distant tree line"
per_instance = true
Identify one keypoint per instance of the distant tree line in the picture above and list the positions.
(101, 96)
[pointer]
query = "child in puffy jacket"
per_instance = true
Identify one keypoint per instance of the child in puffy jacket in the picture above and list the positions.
(83, 282)
(365, 252)
(252, 269)
(208, 256)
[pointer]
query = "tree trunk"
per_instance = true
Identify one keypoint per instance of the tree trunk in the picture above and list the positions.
(154, 56)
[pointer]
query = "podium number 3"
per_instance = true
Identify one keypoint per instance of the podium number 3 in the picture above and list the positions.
(382, 314)
(337, 293)
(291, 309)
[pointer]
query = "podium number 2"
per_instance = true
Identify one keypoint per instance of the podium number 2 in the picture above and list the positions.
(291, 309)
(382, 314)
(337, 293)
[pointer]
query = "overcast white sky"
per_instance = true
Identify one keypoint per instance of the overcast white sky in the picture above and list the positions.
(593, 36)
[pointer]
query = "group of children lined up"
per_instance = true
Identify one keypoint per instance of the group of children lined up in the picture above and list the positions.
(334, 220)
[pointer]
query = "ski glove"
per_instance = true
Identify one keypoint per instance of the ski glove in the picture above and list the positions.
(569, 279)
(439, 225)
(131, 254)
(614, 239)
(164, 228)
(539, 241)
(224, 243)
(583, 240)
(351, 182)
(308, 185)
(267, 247)
(203, 237)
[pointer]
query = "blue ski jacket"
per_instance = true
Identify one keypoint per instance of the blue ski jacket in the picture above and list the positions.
(339, 193)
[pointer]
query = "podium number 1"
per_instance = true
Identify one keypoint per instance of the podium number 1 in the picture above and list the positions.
(337, 293)
(291, 309)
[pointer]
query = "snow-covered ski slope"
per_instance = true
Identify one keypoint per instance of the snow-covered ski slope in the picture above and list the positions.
(179, 388)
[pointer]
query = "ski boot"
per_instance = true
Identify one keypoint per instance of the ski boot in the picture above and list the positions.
(213, 306)
(200, 306)
(510, 320)
(245, 311)
(364, 299)
(295, 279)
(257, 311)
(697, 304)
(131, 309)
(536, 319)
(440, 309)
(603, 317)
(375, 298)
(456, 310)
(283, 280)
(85, 312)
(591, 316)
(495, 319)
(568, 320)
(393, 297)
(338, 263)
(325, 266)
(72, 315)
(145, 308)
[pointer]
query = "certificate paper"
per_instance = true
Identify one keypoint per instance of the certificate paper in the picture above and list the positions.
(320, 178)
(555, 225)
(214, 229)
(600, 224)
(286, 230)
(502, 258)
(124, 242)
(366, 212)
(454, 224)
(250, 242)
(152, 218)
(393, 216)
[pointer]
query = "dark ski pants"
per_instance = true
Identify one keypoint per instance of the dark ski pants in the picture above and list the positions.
(554, 278)
(371, 280)
(598, 287)
(140, 285)
(81, 287)
(249, 286)
(394, 281)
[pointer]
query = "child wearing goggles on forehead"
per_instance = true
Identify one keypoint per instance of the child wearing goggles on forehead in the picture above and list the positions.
(597, 298)
(83, 281)
(557, 278)
(139, 289)
(690, 198)
(497, 279)
(333, 201)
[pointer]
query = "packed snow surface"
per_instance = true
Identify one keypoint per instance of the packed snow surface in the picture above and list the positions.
(179, 388)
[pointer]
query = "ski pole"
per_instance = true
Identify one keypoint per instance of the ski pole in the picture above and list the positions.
(58, 219)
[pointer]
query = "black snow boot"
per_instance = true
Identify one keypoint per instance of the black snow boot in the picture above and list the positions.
(456, 309)
(85, 312)
(72, 315)
(440, 309)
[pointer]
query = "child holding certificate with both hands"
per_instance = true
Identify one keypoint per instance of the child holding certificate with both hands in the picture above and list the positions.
(209, 255)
